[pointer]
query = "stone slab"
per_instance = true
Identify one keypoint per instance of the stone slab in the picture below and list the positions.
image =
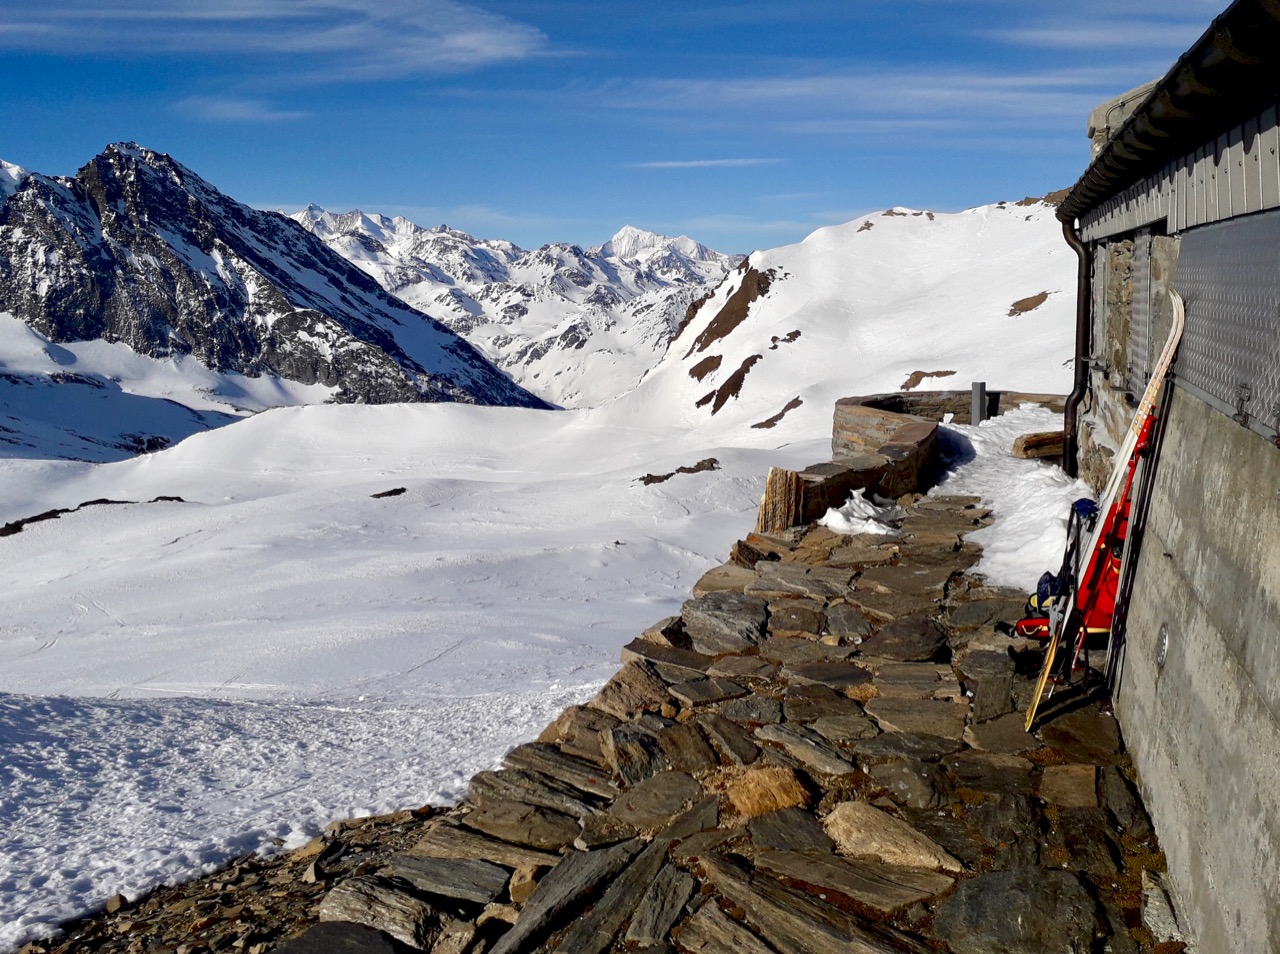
(793, 650)
(633, 752)
(849, 727)
(920, 716)
(533, 788)
(807, 747)
(1006, 734)
(841, 676)
(673, 664)
(594, 931)
(381, 904)
(701, 692)
(843, 619)
(729, 578)
(860, 829)
(796, 580)
(905, 745)
(733, 742)
(1071, 786)
(885, 888)
(550, 760)
(788, 829)
(740, 668)
(653, 803)
(686, 748)
(449, 840)
(523, 824)
(635, 686)
(909, 639)
(660, 907)
(807, 703)
(724, 622)
(1055, 913)
(479, 882)
(797, 616)
(912, 783)
(577, 732)
(711, 931)
(990, 772)
(339, 937)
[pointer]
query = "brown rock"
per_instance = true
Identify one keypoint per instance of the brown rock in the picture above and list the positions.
(859, 829)
(523, 880)
(1071, 786)
(730, 578)
(671, 663)
(445, 839)
(654, 802)
(703, 692)
(794, 617)
(739, 668)
(633, 753)
(808, 748)
(730, 739)
(922, 716)
(577, 731)
(909, 639)
(886, 888)
(686, 749)
(522, 824)
(602, 829)
(793, 580)
(549, 760)
(710, 931)
(724, 622)
(380, 904)
(633, 687)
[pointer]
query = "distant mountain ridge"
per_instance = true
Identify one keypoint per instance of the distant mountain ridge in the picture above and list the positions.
(576, 326)
(138, 249)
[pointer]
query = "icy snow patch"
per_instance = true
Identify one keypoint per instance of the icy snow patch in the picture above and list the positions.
(861, 515)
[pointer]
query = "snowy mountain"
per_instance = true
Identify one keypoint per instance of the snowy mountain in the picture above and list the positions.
(138, 250)
(575, 326)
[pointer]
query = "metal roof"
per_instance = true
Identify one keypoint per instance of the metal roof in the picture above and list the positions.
(1231, 74)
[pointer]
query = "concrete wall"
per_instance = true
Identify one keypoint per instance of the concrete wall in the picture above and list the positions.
(1204, 728)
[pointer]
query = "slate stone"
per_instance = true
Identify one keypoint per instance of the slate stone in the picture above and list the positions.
(910, 639)
(913, 680)
(659, 908)
(478, 882)
(860, 829)
(783, 580)
(808, 748)
(849, 727)
(913, 784)
(653, 803)
(789, 829)
(1008, 827)
(706, 691)
(692, 849)
(1086, 839)
(1070, 786)
(1085, 735)
(905, 745)
(575, 772)
(793, 650)
(918, 716)
(863, 551)
(791, 920)
(927, 581)
(602, 829)
(563, 890)
(807, 703)
(732, 741)
(633, 753)
(882, 606)
(739, 668)
(753, 708)
(635, 686)
(686, 749)
(845, 620)
(1054, 913)
(671, 663)
(703, 816)
(711, 931)
(976, 614)
(577, 731)
(339, 937)
(1120, 798)
(724, 622)
(796, 616)
(951, 833)
(885, 888)
(446, 839)
(990, 772)
(841, 676)
(522, 824)
(532, 788)
(989, 676)
(592, 932)
(1006, 734)
(729, 578)
(384, 905)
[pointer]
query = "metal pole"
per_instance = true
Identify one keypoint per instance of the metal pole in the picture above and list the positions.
(978, 413)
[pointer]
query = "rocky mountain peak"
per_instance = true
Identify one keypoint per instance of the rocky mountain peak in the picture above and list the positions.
(11, 179)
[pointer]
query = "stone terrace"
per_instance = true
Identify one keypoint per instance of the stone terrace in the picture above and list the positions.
(823, 752)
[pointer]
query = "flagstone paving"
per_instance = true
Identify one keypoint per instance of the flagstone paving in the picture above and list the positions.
(822, 753)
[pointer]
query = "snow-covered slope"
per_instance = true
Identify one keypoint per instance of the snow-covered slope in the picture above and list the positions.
(137, 249)
(575, 326)
(184, 681)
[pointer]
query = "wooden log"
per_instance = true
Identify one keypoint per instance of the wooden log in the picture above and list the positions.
(783, 503)
(1039, 445)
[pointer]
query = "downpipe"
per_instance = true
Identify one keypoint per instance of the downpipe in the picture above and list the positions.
(1071, 444)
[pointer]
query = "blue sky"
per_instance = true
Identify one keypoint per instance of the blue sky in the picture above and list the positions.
(745, 124)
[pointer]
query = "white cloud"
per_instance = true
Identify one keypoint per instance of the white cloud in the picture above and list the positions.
(317, 39)
(703, 163)
(227, 110)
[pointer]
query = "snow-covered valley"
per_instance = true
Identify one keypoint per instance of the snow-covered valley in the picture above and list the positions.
(187, 680)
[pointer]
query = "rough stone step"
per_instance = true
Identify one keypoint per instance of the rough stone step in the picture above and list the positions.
(479, 882)
(549, 760)
(729, 578)
(732, 740)
(791, 920)
(793, 650)
(905, 745)
(523, 824)
(339, 937)
(724, 622)
(533, 788)
(789, 829)
(593, 932)
(710, 931)
(634, 687)
(739, 668)
(633, 752)
(577, 732)
(794, 580)
(920, 716)
(446, 839)
(753, 708)
(808, 748)
(990, 772)
(797, 617)
(384, 905)
(913, 638)
(660, 907)
(672, 664)
(849, 727)
(564, 890)
(860, 829)
(703, 692)
(807, 703)
(841, 676)
(686, 748)
(886, 888)
(846, 620)
(653, 803)
(1055, 913)
(926, 581)
(882, 607)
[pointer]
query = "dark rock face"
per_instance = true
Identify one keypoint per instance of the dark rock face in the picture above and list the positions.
(136, 248)
(1053, 913)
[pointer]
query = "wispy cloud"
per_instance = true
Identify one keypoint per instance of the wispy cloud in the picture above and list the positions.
(320, 40)
(231, 110)
(703, 163)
